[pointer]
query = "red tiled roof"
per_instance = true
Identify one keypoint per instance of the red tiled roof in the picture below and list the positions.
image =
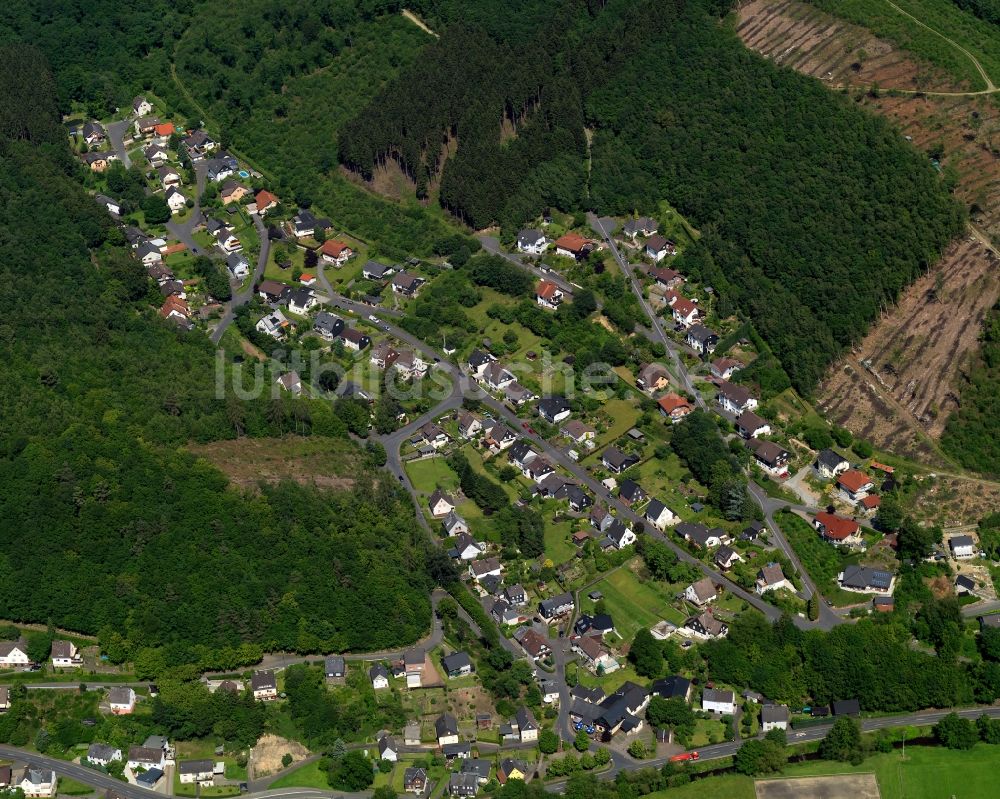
(546, 289)
(573, 242)
(853, 480)
(333, 248)
(672, 402)
(837, 527)
(871, 501)
(164, 129)
(684, 306)
(882, 467)
(265, 199)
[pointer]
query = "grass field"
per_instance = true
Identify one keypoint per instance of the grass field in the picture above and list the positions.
(634, 604)
(308, 776)
(926, 773)
(822, 560)
(558, 546)
(431, 473)
(973, 34)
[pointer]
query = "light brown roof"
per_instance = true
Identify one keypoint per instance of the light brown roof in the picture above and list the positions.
(672, 402)
(573, 242)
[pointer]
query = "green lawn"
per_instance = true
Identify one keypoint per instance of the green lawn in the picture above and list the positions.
(821, 559)
(69, 787)
(308, 776)
(634, 604)
(430, 473)
(926, 773)
(558, 546)
(620, 415)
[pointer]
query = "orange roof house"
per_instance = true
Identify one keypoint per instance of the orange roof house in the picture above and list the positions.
(834, 527)
(336, 251)
(674, 406)
(854, 482)
(573, 244)
(164, 129)
(265, 201)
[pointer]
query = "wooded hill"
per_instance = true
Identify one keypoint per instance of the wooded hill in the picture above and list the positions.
(107, 525)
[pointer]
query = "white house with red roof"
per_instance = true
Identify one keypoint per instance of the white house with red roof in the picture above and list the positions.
(548, 295)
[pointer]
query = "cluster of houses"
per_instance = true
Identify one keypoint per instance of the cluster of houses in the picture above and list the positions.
(497, 379)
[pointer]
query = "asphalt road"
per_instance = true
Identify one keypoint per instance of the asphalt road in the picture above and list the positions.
(492, 246)
(243, 297)
(116, 133)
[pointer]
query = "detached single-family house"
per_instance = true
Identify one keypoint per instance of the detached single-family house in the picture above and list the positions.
(734, 398)
(328, 325)
(237, 265)
(838, 529)
(373, 270)
(196, 771)
(98, 162)
(232, 191)
(198, 144)
(440, 504)
(594, 654)
(599, 624)
(146, 126)
(103, 754)
(336, 252)
(446, 729)
(527, 727)
(36, 782)
(335, 667)
(716, 701)
(466, 547)
(496, 377)
(168, 176)
(685, 311)
(454, 525)
(965, 585)
(65, 655)
(411, 734)
(659, 515)
(121, 700)
(614, 460)
(674, 407)
(548, 295)
(228, 242)
(705, 625)
(273, 324)
(487, 567)
(354, 339)
(141, 106)
(774, 717)
(176, 200)
(854, 485)
(387, 749)
(148, 253)
(659, 247)
(573, 245)
(668, 279)
(468, 424)
(463, 785)
(512, 769)
(725, 368)
(265, 201)
(620, 534)
(415, 780)
(94, 133)
(406, 284)
(675, 687)
(643, 226)
(830, 464)
(865, 579)
(701, 339)
(726, 557)
(478, 361)
(631, 493)
(578, 432)
(556, 607)
(772, 578)
(652, 377)
(379, 675)
(531, 241)
(699, 535)
(457, 664)
(554, 409)
(750, 425)
(701, 592)
(301, 301)
(221, 167)
(962, 546)
(290, 382)
(770, 457)
(264, 686)
(146, 757)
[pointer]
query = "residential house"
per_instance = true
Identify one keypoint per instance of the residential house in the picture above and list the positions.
(146, 126)
(965, 585)
(865, 579)
(146, 757)
(705, 625)
(4, 700)
(387, 749)
(699, 535)
(379, 675)
(505, 613)
(335, 667)
(718, 701)
(726, 557)
(631, 493)
(884, 604)
(354, 339)
(531, 241)
(168, 176)
(854, 485)
(556, 607)
(97, 161)
(770, 457)
(272, 291)
(121, 700)
(750, 425)
(221, 167)
(466, 547)
(870, 504)
(265, 201)
(290, 382)
(446, 729)
(94, 133)
(35, 782)
(772, 578)
(440, 504)
(479, 767)
(198, 144)
(554, 409)
(176, 200)
(238, 266)
(725, 368)
(643, 226)
(774, 717)
(406, 284)
(478, 569)
(163, 131)
(668, 279)
(432, 434)
(415, 779)
(141, 106)
(498, 437)
(830, 464)
(148, 779)
(653, 377)
(411, 734)
(600, 624)
(685, 311)
(264, 686)
(496, 377)
(228, 242)
(373, 270)
(301, 301)
(962, 546)
(478, 361)
(335, 252)
(701, 339)
(594, 654)
(273, 324)
(548, 295)
(674, 407)
(454, 525)
(578, 499)
(527, 727)
(232, 191)
(838, 529)
(516, 394)
(573, 245)
(659, 247)
(468, 424)
(148, 253)
(103, 754)
(620, 534)
(175, 309)
(463, 785)
(614, 460)
(196, 771)
(659, 515)
(701, 592)
(734, 398)
(457, 664)
(65, 655)
(512, 769)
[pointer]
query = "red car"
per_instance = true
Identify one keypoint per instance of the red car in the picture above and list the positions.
(684, 757)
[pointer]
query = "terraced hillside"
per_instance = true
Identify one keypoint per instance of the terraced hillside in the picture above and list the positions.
(901, 381)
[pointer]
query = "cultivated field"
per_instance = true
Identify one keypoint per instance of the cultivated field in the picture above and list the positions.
(845, 786)
(897, 387)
